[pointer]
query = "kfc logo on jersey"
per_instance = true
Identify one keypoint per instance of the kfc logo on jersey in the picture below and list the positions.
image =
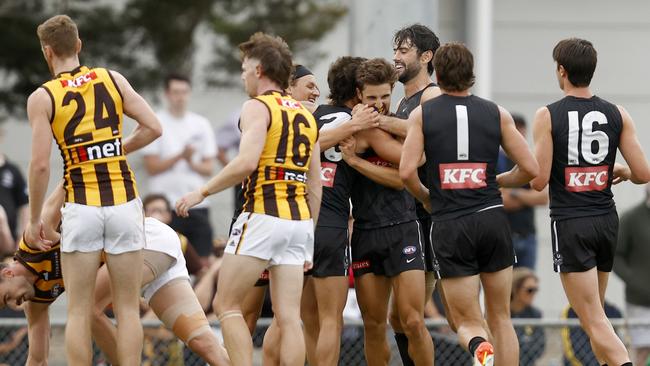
(288, 103)
(583, 179)
(463, 175)
(327, 173)
(79, 81)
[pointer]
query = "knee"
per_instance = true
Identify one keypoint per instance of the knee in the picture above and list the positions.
(413, 324)
(374, 327)
(394, 320)
(204, 344)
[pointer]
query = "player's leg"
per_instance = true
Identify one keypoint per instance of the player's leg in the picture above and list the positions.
(408, 292)
(237, 276)
(497, 287)
(286, 291)
(309, 315)
(79, 271)
(331, 294)
(176, 305)
(461, 295)
(583, 291)
(251, 307)
(372, 294)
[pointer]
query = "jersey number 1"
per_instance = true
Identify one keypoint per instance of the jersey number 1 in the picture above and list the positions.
(589, 137)
(103, 102)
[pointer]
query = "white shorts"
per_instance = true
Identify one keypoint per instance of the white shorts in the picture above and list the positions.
(161, 238)
(639, 334)
(280, 241)
(114, 229)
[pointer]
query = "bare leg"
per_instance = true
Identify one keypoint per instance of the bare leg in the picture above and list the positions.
(79, 271)
(125, 272)
(409, 292)
(251, 307)
(372, 294)
(331, 294)
(286, 290)
(271, 345)
(461, 295)
(309, 315)
(497, 286)
(584, 294)
(237, 276)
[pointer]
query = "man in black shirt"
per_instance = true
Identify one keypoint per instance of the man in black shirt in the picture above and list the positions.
(460, 134)
(576, 139)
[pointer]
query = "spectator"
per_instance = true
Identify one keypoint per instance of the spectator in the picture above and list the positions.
(631, 265)
(575, 342)
(7, 242)
(181, 160)
(156, 206)
(531, 339)
(228, 136)
(519, 204)
(13, 196)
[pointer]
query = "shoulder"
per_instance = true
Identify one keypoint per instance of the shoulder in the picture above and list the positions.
(39, 95)
(430, 93)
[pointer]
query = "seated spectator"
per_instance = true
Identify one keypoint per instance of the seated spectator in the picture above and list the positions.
(575, 342)
(158, 207)
(531, 339)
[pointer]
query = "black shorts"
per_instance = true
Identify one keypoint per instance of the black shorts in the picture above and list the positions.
(387, 251)
(583, 243)
(472, 244)
(331, 252)
(426, 243)
(263, 280)
(197, 228)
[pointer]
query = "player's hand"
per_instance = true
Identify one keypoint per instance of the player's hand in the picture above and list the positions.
(364, 117)
(188, 201)
(307, 266)
(621, 173)
(348, 147)
(35, 237)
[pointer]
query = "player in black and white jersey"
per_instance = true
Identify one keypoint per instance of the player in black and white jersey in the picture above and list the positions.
(576, 139)
(413, 50)
(387, 238)
(461, 134)
(336, 121)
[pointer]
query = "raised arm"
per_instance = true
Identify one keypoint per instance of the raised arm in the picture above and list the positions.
(543, 147)
(639, 171)
(136, 107)
(516, 148)
(411, 154)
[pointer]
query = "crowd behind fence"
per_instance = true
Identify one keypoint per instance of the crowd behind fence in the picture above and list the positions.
(561, 342)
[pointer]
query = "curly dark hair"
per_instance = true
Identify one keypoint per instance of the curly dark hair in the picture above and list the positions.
(420, 36)
(274, 56)
(376, 71)
(342, 79)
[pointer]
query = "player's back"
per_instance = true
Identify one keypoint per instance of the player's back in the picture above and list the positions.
(87, 126)
(462, 136)
(586, 134)
(278, 186)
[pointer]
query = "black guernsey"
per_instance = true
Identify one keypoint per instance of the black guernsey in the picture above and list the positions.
(586, 133)
(374, 205)
(462, 136)
(404, 109)
(336, 174)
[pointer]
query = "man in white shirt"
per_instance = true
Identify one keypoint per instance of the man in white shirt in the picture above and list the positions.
(182, 159)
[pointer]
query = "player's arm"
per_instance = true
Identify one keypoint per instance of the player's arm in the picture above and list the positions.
(516, 148)
(314, 184)
(363, 117)
(52, 212)
(638, 171)
(543, 140)
(393, 125)
(38, 332)
(527, 197)
(254, 121)
(136, 107)
(39, 111)
(386, 176)
(383, 143)
(411, 154)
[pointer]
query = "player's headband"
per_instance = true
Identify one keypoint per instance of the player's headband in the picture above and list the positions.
(300, 72)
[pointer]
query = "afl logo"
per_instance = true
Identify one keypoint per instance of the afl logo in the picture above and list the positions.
(56, 290)
(409, 250)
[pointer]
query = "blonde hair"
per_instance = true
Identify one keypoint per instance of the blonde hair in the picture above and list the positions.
(59, 33)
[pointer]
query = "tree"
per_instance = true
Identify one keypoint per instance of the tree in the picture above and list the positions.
(146, 39)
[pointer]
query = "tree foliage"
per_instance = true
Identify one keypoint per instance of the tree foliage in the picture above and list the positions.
(146, 39)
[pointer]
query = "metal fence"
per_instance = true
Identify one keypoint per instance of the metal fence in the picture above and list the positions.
(546, 342)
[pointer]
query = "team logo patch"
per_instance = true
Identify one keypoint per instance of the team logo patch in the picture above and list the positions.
(79, 81)
(236, 231)
(409, 250)
(463, 175)
(327, 173)
(360, 265)
(557, 259)
(288, 103)
(583, 179)
(56, 290)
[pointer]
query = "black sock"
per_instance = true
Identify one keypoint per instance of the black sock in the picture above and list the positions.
(403, 347)
(473, 344)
